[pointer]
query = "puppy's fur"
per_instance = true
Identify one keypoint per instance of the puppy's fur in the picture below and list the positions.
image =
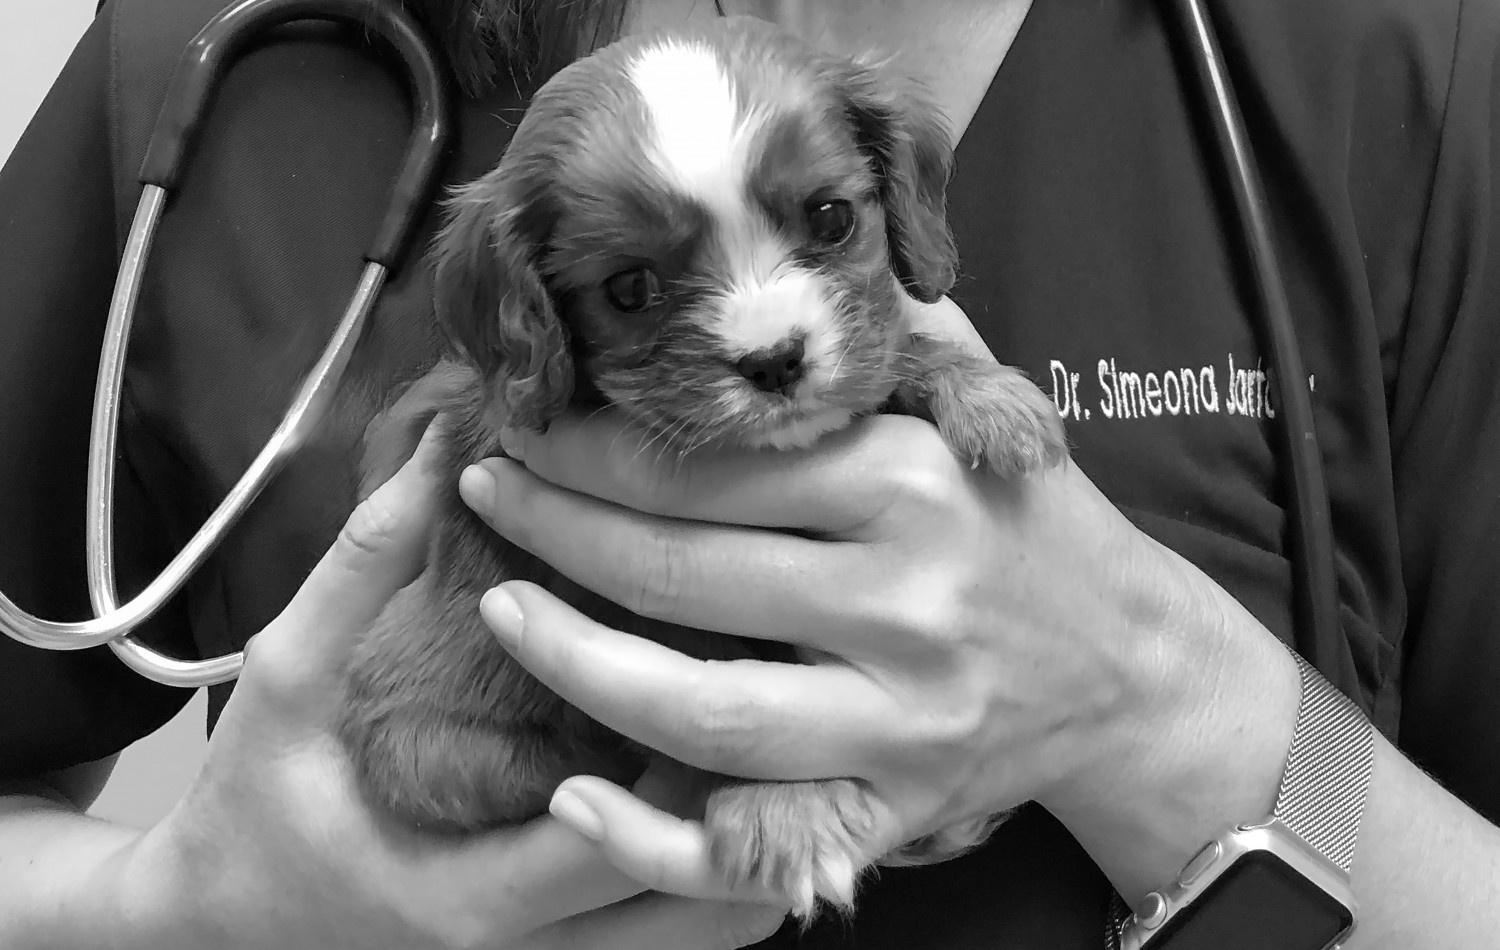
(773, 210)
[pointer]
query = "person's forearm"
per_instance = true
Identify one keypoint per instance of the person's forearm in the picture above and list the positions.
(1205, 753)
(63, 880)
(1426, 869)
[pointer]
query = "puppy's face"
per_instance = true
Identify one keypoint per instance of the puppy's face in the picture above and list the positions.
(710, 231)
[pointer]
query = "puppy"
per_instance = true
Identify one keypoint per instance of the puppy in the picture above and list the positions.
(721, 233)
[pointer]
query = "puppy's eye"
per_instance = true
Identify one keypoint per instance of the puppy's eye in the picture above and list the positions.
(634, 290)
(829, 222)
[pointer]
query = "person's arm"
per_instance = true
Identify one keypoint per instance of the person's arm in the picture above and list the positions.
(1426, 870)
(42, 817)
(60, 869)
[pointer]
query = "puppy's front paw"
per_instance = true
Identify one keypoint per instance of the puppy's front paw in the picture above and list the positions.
(805, 840)
(998, 418)
(990, 415)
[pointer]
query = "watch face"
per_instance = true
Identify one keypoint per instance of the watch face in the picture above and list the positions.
(1259, 902)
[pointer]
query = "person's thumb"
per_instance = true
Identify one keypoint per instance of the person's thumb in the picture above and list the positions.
(649, 845)
(381, 549)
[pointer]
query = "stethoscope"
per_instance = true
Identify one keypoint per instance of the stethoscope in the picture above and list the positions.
(204, 63)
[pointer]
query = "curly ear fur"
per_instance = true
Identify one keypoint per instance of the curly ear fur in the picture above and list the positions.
(493, 304)
(905, 134)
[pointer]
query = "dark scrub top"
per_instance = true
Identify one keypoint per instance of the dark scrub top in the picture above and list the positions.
(1099, 254)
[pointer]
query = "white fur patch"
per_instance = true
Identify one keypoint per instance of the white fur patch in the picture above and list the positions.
(703, 142)
(800, 433)
(701, 137)
(761, 314)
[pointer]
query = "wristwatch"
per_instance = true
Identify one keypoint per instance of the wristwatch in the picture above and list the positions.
(1282, 883)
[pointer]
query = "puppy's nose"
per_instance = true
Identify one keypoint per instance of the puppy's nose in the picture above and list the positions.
(775, 370)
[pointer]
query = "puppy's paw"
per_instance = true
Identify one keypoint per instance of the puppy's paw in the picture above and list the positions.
(945, 843)
(990, 415)
(996, 417)
(807, 841)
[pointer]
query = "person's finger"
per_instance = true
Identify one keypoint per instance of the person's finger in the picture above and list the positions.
(526, 877)
(656, 921)
(673, 570)
(565, 871)
(658, 849)
(850, 478)
(381, 549)
(740, 717)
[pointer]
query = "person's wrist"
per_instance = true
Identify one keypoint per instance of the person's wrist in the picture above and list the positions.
(1201, 746)
(77, 881)
(165, 890)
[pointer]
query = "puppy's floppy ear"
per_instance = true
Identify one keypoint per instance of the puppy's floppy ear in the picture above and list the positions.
(906, 137)
(493, 304)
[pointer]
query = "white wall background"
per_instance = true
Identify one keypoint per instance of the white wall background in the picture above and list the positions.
(35, 40)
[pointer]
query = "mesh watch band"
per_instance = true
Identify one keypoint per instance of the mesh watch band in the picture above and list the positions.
(1116, 912)
(1324, 782)
(1328, 769)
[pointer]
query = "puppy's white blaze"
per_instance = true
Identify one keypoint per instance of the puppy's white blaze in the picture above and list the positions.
(754, 255)
(701, 136)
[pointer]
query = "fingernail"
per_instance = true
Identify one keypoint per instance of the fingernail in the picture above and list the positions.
(476, 487)
(576, 814)
(500, 610)
(513, 441)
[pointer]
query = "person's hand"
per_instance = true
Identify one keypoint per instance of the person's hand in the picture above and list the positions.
(273, 846)
(972, 642)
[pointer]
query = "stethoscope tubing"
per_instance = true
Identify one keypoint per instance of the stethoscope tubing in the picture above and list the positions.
(1314, 570)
